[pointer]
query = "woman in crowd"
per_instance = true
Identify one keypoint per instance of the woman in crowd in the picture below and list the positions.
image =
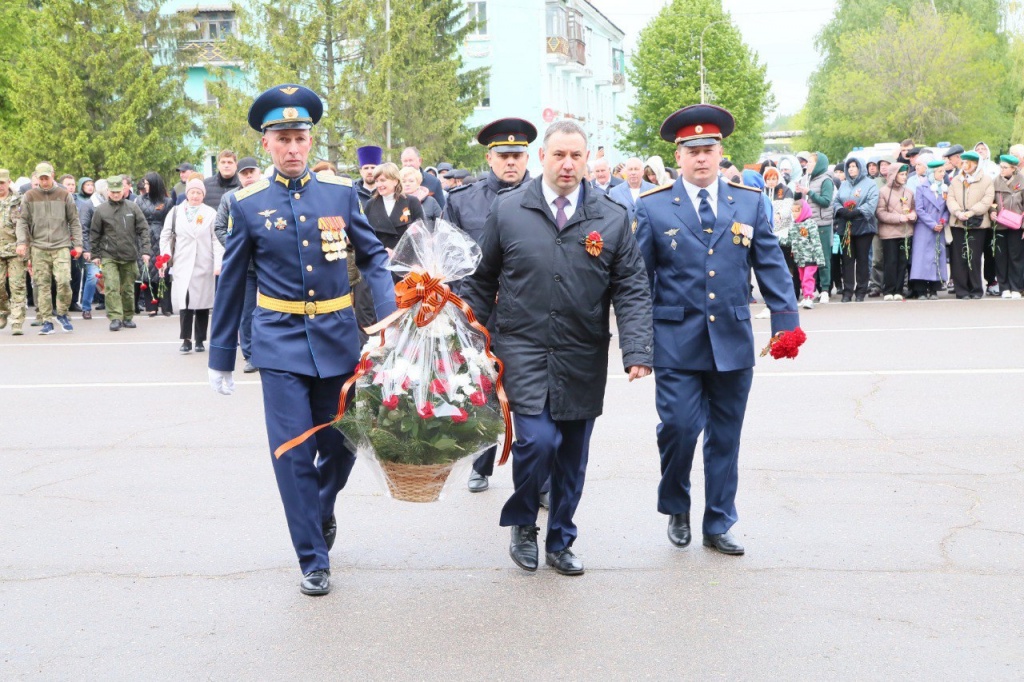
(969, 200)
(155, 203)
(781, 198)
(389, 211)
(928, 255)
(196, 256)
(896, 218)
(1009, 247)
(854, 210)
(411, 187)
(654, 171)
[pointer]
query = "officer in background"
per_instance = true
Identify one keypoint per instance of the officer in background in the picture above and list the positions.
(292, 226)
(507, 141)
(700, 237)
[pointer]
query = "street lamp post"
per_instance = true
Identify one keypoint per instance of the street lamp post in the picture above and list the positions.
(720, 21)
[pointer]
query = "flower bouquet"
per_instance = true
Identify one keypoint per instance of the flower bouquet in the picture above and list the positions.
(427, 388)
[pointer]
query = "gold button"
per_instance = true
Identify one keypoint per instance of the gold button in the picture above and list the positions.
(711, 295)
(712, 318)
(298, 196)
(711, 252)
(305, 242)
(309, 268)
(302, 218)
(311, 292)
(711, 274)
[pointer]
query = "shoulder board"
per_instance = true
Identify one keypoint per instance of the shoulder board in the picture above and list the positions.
(333, 179)
(655, 190)
(739, 186)
(258, 186)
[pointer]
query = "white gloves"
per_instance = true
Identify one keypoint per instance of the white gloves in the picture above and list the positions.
(221, 381)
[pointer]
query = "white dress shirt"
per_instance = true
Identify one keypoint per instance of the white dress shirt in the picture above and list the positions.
(549, 198)
(691, 191)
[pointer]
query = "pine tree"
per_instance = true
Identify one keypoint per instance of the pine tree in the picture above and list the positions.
(87, 94)
(666, 73)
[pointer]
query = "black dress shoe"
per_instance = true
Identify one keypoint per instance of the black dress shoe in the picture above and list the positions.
(545, 500)
(186, 346)
(874, 293)
(679, 530)
(316, 583)
(128, 324)
(200, 348)
(115, 325)
(860, 298)
(565, 562)
(847, 299)
(523, 549)
(330, 532)
(477, 482)
(724, 543)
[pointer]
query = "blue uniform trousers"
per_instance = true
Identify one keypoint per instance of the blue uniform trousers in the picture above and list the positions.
(308, 484)
(248, 308)
(547, 448)
(689, 402)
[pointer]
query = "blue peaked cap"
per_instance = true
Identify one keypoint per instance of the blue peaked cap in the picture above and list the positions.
(285, 106)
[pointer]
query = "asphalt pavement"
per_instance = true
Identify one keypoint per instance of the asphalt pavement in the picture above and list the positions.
(881, 497)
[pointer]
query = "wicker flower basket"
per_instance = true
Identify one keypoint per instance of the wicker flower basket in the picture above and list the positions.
(416, 482)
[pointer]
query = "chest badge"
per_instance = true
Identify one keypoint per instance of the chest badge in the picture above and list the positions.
(673, 232)
(280, 224)
(266, 215)
(673, 244)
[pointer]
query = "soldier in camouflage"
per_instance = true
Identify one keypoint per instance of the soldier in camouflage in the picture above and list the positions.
(12, 266)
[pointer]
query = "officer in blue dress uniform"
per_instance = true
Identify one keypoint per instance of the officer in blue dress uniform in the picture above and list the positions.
(507, 141)
(293, 226)
(700, 238)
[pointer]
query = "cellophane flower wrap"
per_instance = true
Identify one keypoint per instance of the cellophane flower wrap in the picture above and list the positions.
(427, 388)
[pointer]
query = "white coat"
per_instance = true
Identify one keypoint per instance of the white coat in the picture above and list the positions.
(197, 256)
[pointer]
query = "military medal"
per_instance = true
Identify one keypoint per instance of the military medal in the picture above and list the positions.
(736, 240)
(332, 237)
(673, 244)
(281, 223)
(266, 214)
(746, 241)
(672, 232)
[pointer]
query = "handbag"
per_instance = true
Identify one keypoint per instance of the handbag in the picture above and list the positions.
(1009, 219)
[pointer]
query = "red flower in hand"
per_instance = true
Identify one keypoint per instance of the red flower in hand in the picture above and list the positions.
(788, 344)
(478, 399)
(438, 386)
(143, 286)
(425, 411)
(154, 301)
(392, 402)
(460, 417)
(849, 204)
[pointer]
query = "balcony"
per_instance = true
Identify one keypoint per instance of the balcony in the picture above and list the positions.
(558, 45)
(578, 51)
(199, 52)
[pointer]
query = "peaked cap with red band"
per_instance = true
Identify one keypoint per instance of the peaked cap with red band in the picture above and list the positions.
(699, 125)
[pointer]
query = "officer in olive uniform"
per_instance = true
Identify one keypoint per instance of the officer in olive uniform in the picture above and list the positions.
(507, 141)
(700, 238)
(293, 227)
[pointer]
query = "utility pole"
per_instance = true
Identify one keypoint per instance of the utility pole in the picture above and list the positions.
(387, 32)
(720, 21)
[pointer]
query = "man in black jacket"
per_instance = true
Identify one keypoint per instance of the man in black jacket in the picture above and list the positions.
(224, 180)
(556, 253)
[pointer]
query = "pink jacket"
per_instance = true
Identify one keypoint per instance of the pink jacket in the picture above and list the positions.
(896, 214)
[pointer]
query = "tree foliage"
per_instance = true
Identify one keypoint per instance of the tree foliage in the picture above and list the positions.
(87, 94)
(938, 70)
(410, 74)
(665, 70)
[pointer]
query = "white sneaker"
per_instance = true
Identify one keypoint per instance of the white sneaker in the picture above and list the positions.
(897, 297)
(1008, 294)
(887, 297)
(763, 315)
(1015, 295)
(823, 298)
(807, 303)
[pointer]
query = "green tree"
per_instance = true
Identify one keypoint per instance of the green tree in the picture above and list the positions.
(14, 18)
(411, 74)
(665, 70)
(86, 94)
(946, 76)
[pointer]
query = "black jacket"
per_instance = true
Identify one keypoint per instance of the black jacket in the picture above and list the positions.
(390, 228)
(217, 186)
(468, 205)
(553, 299)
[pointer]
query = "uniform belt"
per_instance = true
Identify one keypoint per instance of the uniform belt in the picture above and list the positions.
(311, 308)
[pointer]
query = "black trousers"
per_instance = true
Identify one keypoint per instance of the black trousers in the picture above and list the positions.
(857, 266)
(988, 259)
(202, 322)
(894, 265)
(1009, 259)
(965, 261)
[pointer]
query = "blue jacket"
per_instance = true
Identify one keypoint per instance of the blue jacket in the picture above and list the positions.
(700, 282)
(621, 194)
(279, 224)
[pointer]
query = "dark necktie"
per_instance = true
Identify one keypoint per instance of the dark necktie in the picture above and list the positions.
(560, 218)
(707, 216)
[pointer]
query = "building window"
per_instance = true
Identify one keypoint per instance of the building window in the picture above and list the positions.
(485, 95)
(477, 17)
(214, 26)
(556, 22)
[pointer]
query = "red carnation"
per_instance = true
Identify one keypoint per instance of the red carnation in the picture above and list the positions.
(478, 398)
(425, 411)
(154, 301)
(143, 286)
(99, 275)
(441, 366)
(787, 345)
(438, 386)
(459, 358)
(406, 383)
(486, 385)
(460, 417)
(849, 204)
(392, 402)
